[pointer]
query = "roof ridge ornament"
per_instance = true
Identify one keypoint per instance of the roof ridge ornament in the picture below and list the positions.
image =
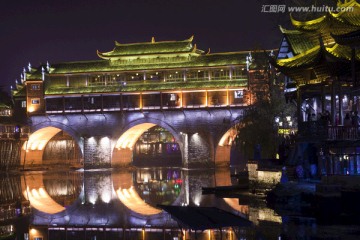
(43, 73)
(48, 66)
(249, 60)
(153, 40)
(24, 74)
(29, 67)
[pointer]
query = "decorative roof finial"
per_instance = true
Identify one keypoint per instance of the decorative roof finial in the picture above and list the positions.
(153, 40)
(48, 66)
(248, 61)
(43, 73)
(16, 82)
(24, 74)
(29, 67)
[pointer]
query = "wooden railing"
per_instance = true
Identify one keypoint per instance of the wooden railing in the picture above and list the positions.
(343, 133)
(319, 130)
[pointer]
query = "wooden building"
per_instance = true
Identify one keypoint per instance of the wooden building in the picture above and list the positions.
(322, 63)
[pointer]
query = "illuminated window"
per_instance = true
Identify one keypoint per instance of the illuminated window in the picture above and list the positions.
(35, 86)
(23, 104)
(239, 94)
(172, 97)
(35, 101)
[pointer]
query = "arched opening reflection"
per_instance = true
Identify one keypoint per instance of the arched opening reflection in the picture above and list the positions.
(223, 178)
(52, 192)
(159, 186)
(142, 190)
(51, 146)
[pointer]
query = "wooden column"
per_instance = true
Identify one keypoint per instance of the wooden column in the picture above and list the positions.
(298, 105)
(333, 103)
(323, 92)
(341, 113)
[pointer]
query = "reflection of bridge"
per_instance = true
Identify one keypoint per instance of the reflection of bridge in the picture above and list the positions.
(105, 105)
(110, 199)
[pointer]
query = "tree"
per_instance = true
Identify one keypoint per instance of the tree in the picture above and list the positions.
(5, 97)
(258, 126)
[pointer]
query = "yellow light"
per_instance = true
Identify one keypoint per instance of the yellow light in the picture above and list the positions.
(31, 109)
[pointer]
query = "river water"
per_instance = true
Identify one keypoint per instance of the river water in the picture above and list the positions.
(110, 204)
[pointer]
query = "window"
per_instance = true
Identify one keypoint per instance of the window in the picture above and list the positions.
(23, 104)
(35, 101)
(239, 94)
(35, 86)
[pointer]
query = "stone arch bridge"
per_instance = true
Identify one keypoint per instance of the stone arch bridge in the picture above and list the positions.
(106, 139)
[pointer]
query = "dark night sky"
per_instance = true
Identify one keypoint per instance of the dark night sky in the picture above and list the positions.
(47, 30)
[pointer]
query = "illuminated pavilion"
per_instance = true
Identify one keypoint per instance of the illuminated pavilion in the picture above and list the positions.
(138, 76)
(321, 62)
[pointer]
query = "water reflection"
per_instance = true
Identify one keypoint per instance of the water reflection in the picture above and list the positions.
(123, 205)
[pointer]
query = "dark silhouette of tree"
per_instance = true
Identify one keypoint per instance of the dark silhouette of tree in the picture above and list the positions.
(5, 97)
(258, 126)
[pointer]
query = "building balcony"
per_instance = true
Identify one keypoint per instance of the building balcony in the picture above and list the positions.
(315, 131)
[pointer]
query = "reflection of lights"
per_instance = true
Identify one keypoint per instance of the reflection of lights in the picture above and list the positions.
(40, 200)
(92, 199)
(197, 202)
(106, 197)
(131, 199)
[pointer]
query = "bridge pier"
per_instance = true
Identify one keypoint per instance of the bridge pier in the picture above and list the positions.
(197, 150)
(97, 152)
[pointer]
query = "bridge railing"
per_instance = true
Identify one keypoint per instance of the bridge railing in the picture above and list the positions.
(149, 101)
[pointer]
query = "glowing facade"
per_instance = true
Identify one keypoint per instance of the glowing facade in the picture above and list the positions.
(139, 76)
(321, 61)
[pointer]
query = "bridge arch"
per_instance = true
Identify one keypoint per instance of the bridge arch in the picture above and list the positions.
(32, 151)
(128, 136)
(223, 147)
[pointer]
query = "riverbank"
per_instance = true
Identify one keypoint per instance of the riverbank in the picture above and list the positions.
(324, 199)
